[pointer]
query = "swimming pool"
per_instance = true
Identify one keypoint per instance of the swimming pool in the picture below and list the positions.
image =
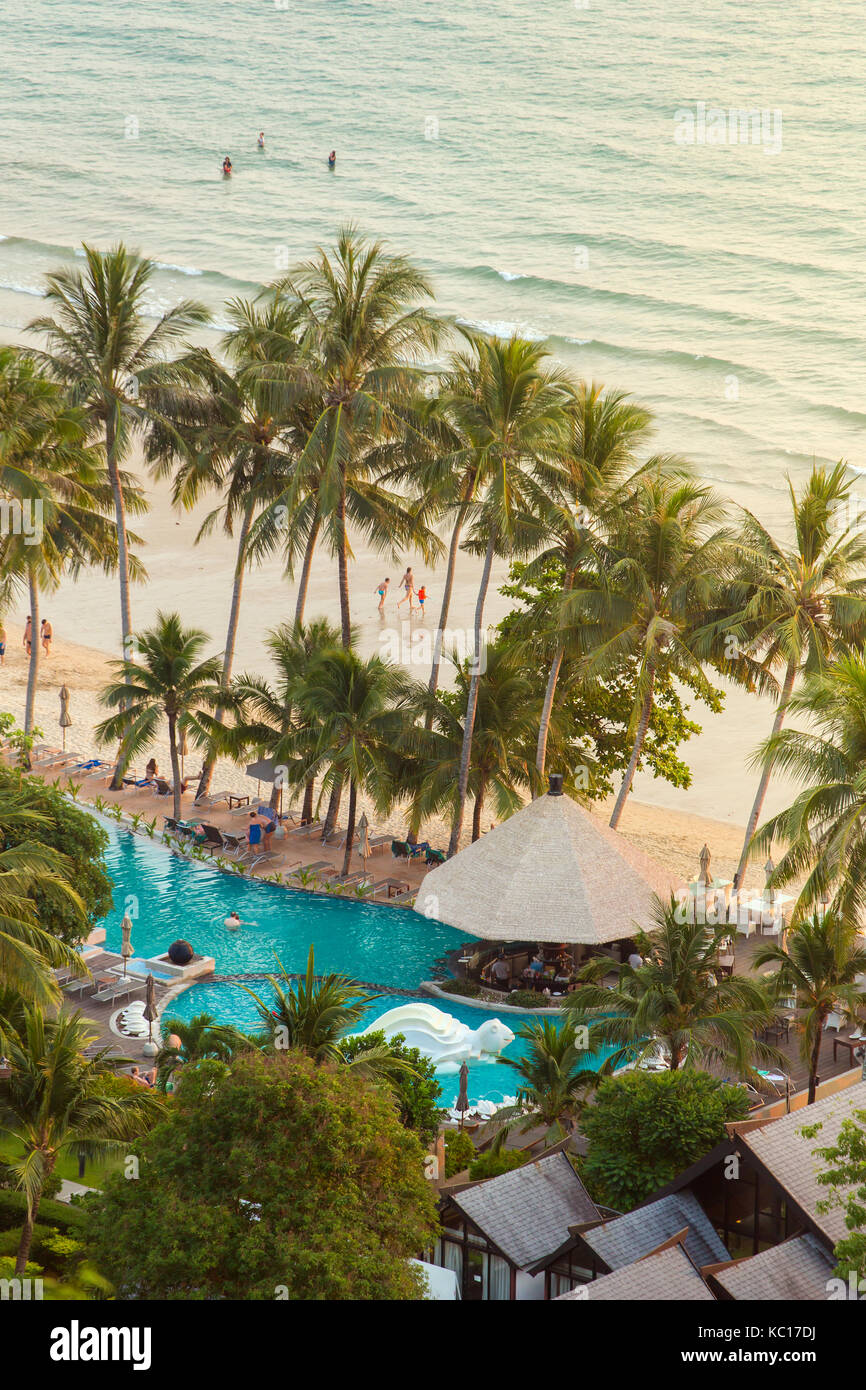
(168, 897)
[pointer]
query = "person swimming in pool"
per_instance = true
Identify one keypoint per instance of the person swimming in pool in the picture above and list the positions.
(233, 921)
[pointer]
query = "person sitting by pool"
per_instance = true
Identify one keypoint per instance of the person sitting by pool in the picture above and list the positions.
(151, 772)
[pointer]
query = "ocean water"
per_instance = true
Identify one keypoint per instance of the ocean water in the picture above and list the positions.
(526, 156)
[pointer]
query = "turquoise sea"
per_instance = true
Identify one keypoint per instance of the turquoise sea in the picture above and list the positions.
(529, 157)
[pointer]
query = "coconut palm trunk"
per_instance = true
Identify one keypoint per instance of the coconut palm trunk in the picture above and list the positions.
(477, 809)
(787, 689)
(343, 567)
(550, 692)
(433, 683)
(471, 704)
(333, 810)
(350, 825)
(231, 638)
(640, 739)
(304, 581)
(122, 560)
(814, 1058)
(33, 668)
(31, 1214)
(175, 764)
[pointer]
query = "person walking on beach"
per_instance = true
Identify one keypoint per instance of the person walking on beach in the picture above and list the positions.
(28, 635)
(46, 633)
(382, 591)
(421, 596)
(407, 584)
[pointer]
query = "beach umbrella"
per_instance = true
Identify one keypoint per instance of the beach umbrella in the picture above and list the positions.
(150, 1014)
(704, 875)
(364, 838)
(265, 770)
(462, 1102)
(126, 947)
(65, 716)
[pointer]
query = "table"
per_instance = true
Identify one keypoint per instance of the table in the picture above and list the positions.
(851, 1046)
(235, 800)
(395, 888)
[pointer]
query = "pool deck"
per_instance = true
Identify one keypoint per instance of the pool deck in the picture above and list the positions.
(401, 878)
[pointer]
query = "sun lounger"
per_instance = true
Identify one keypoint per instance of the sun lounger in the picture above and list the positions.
(387, 884)
(379, 842)
(347, 880)
(256, 855)
(233, 844)
(309, 829)
(338, 839)
(211, 798)
(77, 984)
(108, 993)
(56, 759)
(211, 837)
(98, 769)
(321, 868)
(405, 897)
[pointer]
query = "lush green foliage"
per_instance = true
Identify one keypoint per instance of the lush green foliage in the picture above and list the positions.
(496, 1161)
(281, 1178)
(459, 1151)
(416, 1090)
(594, 717)
(644, 1129)
(846, 1180)
(75, 834)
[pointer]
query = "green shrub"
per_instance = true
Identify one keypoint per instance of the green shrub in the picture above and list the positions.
(528, 999)
(490, 1165)
(7, 1269)
(62, 1252)
(13, 1208)
(468, 988)
(459, 1151)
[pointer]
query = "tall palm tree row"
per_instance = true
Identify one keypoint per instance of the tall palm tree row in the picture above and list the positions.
(797, 605)
(104, 348)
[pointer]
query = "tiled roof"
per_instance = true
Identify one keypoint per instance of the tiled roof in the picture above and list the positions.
(668, 1276)
(628, 1238)
(798, 1269)
(790, 1156)
(528, 1211)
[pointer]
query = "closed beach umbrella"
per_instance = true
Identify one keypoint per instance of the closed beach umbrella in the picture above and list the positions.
(126, 949)
(65, 716)
(364, 838)
(462, 1102)
(704, 875)
(149, 1012)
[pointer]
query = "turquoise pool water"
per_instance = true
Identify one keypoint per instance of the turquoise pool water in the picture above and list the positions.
(168, 897)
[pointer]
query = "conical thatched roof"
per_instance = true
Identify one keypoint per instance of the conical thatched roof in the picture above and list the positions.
(551, 872)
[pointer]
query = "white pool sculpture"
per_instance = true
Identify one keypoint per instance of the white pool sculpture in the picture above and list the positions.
(441, 1037)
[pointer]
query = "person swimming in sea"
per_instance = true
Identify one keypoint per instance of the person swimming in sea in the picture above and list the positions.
(332, 159)
(227, 166)
(261, 140)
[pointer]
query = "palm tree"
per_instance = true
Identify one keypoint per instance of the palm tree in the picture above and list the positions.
(553, 1077)
(360, 708)
(605, 432)
(506, 718)
(102, 346)
(365, 332)
(796, 606)
(56, 1100)
(825, 826)
(657, 582)
(200, 1038)
(676, 998)
(229, 429)
(314, 1015)
(511, 412)
(45, 465)
(169, 680)
(267, 721)
(820, 965)
(28, 952)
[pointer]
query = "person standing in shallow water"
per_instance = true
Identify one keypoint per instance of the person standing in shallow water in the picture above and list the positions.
(46, 633)
(382, 591)
(332, 159)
